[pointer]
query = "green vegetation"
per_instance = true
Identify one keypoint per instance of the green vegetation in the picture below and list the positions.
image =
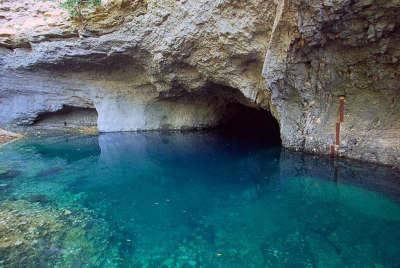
(75, 7)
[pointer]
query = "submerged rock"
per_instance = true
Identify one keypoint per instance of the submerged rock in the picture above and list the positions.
(9, 174)
(31, 235)
(38, 198)
(49, 172)
(67, 212)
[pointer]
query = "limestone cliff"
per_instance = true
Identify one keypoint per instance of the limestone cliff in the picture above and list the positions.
(322, 50)
(169, 64)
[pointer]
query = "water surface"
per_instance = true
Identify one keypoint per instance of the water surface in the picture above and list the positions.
(191, 200)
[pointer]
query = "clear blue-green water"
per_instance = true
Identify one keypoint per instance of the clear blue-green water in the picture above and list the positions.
(191, 200)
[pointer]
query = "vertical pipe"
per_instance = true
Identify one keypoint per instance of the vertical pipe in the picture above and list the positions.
(332, 150)
(339, 120)
(337, 133)
(341, 109)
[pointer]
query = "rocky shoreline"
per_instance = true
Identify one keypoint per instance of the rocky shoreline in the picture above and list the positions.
(7, 136)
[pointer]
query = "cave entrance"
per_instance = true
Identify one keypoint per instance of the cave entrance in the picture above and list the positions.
(67, 117)
(242, 118)
(251, 123)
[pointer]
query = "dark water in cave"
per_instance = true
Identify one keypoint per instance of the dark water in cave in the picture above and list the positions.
(191, 200)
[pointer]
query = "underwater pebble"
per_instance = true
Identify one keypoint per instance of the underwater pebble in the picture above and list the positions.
(67, 212)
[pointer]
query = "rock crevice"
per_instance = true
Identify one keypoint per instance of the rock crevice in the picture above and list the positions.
(322, 50)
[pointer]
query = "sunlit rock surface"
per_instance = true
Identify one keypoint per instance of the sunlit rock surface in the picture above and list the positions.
(25, 21)
(7, 136)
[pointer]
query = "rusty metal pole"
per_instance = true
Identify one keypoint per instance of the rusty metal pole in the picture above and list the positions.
(340, 118)
(341, 108)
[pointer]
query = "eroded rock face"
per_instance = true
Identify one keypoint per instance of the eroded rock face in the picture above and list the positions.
(166, 67)
(166, 64)
(321, 50)
(46, 21)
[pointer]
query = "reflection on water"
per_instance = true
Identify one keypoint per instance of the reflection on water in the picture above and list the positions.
(192, 200)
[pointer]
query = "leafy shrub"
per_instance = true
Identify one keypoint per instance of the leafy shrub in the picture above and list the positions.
(74, 7)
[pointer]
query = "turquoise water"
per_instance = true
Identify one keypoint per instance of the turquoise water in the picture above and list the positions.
(191, 200)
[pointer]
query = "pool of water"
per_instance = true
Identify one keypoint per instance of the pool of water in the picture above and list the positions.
(191, 200)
